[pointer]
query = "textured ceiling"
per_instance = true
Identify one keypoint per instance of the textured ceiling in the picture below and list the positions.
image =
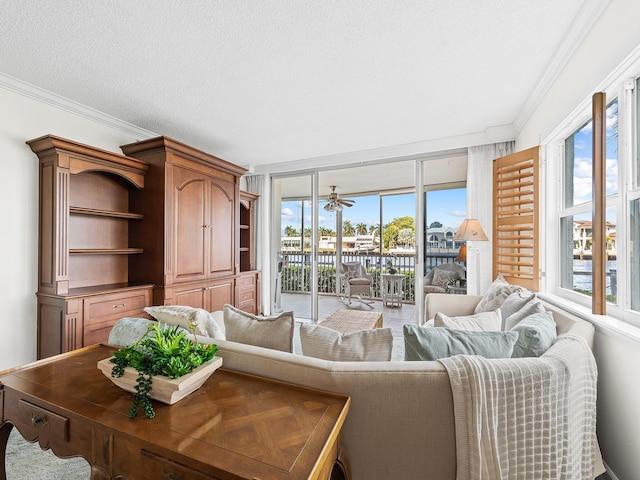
(267, 81)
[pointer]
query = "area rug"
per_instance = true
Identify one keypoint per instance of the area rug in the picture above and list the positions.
(27, 461)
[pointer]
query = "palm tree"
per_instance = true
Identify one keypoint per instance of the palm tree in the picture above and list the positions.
(347, 229)
(289, 231)
(361, 228)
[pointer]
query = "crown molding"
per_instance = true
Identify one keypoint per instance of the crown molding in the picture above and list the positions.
(427, 148)
(585, 20)
(44, 96)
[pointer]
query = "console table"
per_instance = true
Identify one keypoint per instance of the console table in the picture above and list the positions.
(235, 426)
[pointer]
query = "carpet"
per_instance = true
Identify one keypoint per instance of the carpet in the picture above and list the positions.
(27, 461)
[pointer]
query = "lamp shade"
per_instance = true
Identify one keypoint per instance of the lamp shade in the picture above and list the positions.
(462, 254)
(471, 230)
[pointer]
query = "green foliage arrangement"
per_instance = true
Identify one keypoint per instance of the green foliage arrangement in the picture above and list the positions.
(167, 352)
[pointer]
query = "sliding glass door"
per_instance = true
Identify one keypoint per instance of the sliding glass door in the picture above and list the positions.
(294, 257)
(367, 214)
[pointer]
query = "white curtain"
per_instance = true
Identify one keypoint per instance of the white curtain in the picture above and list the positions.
(480, 206)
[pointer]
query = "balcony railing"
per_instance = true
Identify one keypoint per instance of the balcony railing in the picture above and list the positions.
(296, 270)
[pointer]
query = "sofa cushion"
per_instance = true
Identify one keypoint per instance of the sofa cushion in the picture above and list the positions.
(536, 334)
(373, 345)
(431, 343)
(499, 290)
(181, 315)
(486, 321)
(275, 332)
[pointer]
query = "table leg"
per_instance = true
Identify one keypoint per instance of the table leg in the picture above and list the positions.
(5, 430)
(341, 468)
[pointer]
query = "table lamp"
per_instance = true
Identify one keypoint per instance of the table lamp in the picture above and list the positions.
(470, 230)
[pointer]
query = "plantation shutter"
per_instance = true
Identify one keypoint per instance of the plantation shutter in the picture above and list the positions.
(516, 218)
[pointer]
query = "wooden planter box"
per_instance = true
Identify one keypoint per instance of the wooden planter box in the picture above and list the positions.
(164, 389)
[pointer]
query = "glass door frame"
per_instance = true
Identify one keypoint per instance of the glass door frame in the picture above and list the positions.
(276, 203)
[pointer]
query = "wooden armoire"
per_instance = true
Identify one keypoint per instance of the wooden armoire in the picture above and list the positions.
(191, 233)
(162, 224)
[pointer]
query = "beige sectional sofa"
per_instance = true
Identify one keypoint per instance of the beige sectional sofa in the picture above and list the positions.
(401, 422)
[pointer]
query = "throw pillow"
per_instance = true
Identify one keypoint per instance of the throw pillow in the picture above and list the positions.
(441, 278)
(514, 302)
(484, 321)
(374, 345)
(531, 307)
(215, 327)
(350, 271)
(536, 334)
(428, 343)
(274, 332)
(181, 315)
(499, 290)
(128, 330)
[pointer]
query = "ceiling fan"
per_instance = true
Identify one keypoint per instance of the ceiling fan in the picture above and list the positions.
(335, 203)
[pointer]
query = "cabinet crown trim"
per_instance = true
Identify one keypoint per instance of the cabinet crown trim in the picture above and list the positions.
(168, 144)
(131, 168)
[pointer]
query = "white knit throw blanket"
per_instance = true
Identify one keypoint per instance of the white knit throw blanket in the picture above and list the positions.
(527, 418)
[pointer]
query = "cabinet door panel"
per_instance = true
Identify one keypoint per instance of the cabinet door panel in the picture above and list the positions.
(191, 296)
(189, 225)
(219, 293)
(222, 231)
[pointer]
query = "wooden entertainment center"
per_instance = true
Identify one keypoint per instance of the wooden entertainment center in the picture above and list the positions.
(163, 224)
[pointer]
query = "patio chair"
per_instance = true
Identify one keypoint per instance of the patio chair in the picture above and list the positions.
(356, 282)
(436, 279)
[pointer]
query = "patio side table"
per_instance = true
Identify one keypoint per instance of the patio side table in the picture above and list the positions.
(392, 289)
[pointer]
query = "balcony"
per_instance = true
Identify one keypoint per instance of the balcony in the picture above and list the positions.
(296, 269)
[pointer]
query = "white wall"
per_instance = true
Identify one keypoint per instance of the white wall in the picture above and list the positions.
(22, 118)
(615, 35)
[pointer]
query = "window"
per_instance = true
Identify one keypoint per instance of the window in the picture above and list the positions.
(576, 218)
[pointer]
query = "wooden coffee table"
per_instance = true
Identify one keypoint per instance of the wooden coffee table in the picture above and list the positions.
(347, 321)
(235, 426)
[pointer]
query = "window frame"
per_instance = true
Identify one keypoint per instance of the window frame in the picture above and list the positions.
(625, 89)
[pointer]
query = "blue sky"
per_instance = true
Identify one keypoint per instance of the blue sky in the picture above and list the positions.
(583, 153)
(583, 164)
(445, 206)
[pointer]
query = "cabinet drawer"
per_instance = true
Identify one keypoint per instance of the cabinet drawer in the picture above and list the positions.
(246, 280)
(101, 312)
(118, 305)
(249, 307)
(40, 422)
(155, 466)
(245, 294)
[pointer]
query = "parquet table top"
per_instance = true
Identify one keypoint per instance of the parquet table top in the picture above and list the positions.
(235, 424)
